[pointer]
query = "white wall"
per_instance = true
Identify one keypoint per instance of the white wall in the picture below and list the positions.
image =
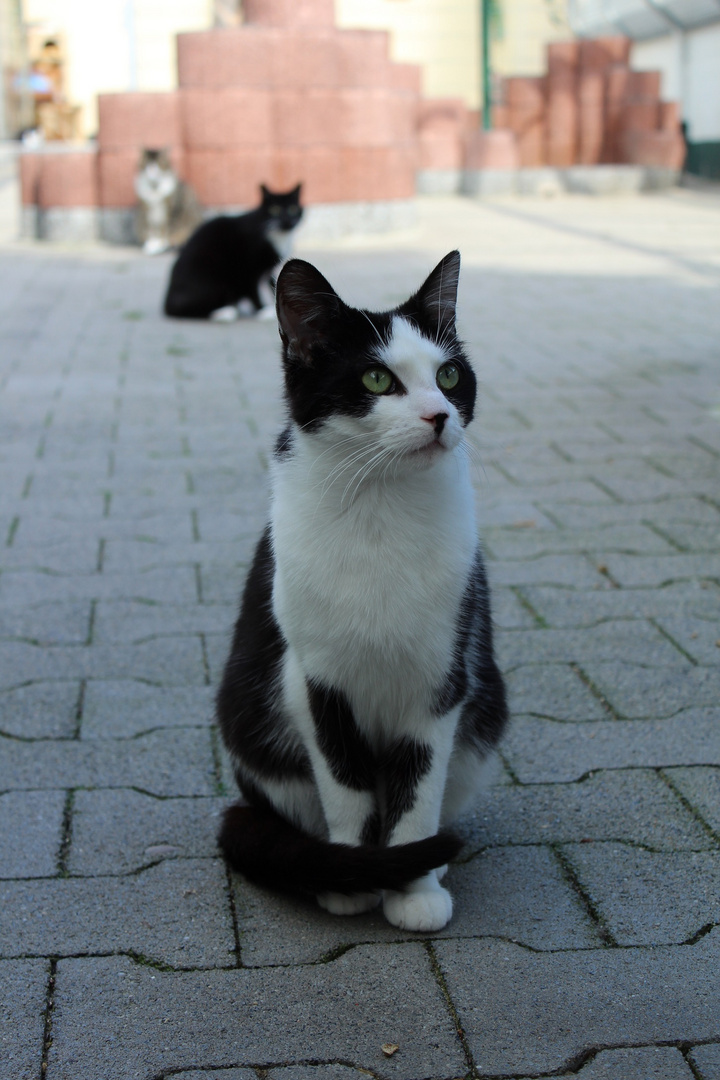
(117, 44)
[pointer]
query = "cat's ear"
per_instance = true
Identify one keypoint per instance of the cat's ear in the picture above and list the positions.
(306, 304)
(438, 295)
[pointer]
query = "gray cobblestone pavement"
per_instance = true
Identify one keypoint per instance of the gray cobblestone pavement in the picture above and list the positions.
(133, 466)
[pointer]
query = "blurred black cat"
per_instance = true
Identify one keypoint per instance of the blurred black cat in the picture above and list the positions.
(229, 260)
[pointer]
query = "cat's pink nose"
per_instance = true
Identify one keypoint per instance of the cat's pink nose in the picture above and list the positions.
(437, 421)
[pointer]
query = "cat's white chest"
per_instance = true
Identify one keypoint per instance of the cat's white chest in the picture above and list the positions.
(369, 597)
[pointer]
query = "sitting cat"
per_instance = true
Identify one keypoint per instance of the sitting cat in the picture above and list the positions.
(227, 260)
(360, 699)
(167, 210)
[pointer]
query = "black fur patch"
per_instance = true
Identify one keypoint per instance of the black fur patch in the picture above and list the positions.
(405, 764)
(284, 442)
(251, 727)
(268, 850)
(348, 753)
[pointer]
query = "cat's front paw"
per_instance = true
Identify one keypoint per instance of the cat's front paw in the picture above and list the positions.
(426, 908)
(348, 903)
(224, 314)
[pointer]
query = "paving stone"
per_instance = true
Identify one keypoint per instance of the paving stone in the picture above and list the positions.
(174, 913)
(220, 1074)
(316, 1072)
(701, 787)
(695, 537)
(119, 831)
(509, 613)
(647, 897)
(681, 509)
(122, 709)
(707, 1060)
(553, 690)
(118, 621)
(36, 586)
(596, 644)
(638, 1063)
(531, 542)
(160, 660)
(169, 762)
(572, 570)
(40, 710)
(77, 556)
(638, 691)
(163, 1022)
(546, 751)
(630, 805)
(23, 986)
(699, 638)
(47, 624)
(571, 607)
(634, 570)
(516, 893)
(525, 1012)
(31, 827)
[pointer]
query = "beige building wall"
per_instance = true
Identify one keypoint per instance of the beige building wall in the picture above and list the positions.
(115, 44)
(444, 36)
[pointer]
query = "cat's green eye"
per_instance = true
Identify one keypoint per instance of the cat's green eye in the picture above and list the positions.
(448, 376)
(378, 380)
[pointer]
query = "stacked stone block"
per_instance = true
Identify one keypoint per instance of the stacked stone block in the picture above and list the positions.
(591, 109)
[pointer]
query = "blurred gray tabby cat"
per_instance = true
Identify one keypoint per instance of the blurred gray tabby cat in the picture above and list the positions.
(167, 209)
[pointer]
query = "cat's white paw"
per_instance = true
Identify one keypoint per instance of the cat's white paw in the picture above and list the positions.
(348, 903)
(155, 246)
(266, 313)
(422, 909)
(441, 871)
(224, 314)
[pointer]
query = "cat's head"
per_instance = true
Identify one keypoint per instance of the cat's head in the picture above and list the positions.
(399, 382)
(154, 158)
(282, 210)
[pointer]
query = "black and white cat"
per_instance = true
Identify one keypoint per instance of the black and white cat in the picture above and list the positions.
(230, 259)
(361, 700)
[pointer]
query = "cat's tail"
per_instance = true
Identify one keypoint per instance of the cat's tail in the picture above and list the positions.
(270, 851)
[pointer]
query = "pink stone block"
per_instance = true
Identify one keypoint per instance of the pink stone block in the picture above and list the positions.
(320, 175)
(228, 177)
(306, 60)
(233, 56)
(231, 117)
(30, 164)
(491, 150)
(116, 174)
(562, 103)
(363, 58)
(68, 179)
(591, 115)
(669, 116)
(309, 118)
(286, 168)
(525, 116)
(661, 149)
(563, 60)
(138, 120)
(289, 13)
(640, 116)
(366, 118)
(599, 53)
(405, 77)
(442, 126)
